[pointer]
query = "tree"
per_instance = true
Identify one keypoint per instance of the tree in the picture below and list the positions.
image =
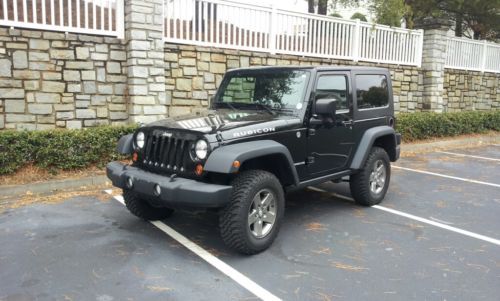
(390, 12)
(482, 17)
(310, 6)
(322, 7)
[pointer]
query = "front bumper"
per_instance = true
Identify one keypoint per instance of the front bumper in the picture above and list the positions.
(176, 192)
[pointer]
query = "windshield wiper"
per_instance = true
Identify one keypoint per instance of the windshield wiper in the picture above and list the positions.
(265, 108)
(228, 104)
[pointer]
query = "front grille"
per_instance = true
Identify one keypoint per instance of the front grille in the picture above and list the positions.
(167, 153)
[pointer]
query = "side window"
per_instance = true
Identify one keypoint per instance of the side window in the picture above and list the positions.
(333, 86)
(371, 91)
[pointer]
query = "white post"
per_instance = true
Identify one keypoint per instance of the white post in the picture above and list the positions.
(420, 48)
(120, 19)
(356, 41)
(483, 63)
(272, 30)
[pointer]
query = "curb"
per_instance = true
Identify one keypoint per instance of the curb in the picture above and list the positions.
(425, 147)
(407, 149)
(52, 186)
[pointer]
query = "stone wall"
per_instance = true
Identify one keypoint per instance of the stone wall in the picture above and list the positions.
(192, 75)
(467, 90)
(50, 80)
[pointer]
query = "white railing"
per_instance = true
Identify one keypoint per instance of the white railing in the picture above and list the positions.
(228, 24)
(99, 17)
(473, 55)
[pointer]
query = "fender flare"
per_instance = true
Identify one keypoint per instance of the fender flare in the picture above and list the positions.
(366, 144)
(125, 145)
(221, 160)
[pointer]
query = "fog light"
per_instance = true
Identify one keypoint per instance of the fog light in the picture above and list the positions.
(157, 190)
(129, 183)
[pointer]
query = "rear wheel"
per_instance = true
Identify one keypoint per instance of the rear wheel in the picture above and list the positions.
(251, 221)
(370, 184)
(142, 209)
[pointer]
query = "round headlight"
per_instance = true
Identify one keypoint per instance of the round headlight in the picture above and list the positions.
(201, 149)
(139, 140)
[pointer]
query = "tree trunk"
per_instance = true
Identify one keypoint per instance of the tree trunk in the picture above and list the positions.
(322, 7)
(459, 30)
(310, 6)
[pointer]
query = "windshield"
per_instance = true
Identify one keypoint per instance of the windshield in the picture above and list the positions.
(280, 91)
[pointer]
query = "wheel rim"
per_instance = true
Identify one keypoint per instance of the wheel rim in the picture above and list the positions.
(262, 213)
(378, 177)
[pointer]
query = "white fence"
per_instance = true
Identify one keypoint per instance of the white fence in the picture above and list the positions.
(99, 17)
(228, 24)
(468, 54)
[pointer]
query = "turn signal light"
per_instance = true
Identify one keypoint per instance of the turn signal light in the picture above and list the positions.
(198, 169)
(236, 164)
(134, 157)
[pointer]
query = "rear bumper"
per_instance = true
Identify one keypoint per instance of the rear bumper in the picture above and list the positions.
(177, 192)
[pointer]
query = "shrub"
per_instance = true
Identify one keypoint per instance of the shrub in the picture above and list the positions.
(59, 149)
(418, 126)
(360, 16)
(73, 149)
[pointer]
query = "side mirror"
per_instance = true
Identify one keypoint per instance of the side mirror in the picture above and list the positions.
(326, 108)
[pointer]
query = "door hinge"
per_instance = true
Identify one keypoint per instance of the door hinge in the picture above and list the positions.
(310, 160)
(311, 132)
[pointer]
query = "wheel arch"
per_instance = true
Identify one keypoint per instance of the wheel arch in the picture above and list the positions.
(125, 144)
(267, 155)
(381, 136)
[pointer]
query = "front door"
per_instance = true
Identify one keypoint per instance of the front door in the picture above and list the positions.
(330, 144)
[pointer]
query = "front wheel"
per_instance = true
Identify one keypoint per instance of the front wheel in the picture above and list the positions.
(251, 221)
(370, 184)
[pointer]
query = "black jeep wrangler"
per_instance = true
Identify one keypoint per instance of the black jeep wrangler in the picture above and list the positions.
(269, 130)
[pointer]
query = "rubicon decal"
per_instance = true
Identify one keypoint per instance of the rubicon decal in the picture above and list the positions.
(254, 132)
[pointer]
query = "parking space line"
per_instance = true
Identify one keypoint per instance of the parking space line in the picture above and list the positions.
(440, 225)
(417, 218)
(446, 176)
(223, 267)
(467, 155)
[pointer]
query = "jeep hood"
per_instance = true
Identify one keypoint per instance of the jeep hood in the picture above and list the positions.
(229, 123)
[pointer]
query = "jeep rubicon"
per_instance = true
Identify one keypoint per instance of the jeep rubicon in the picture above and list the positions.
(269, 130)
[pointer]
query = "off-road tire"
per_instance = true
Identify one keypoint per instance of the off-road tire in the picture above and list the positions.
(360, 182)
(140, 207)
(233, 219)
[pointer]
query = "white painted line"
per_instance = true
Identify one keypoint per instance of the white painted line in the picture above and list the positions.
(471, 156)
(420, 219)
(238, 277)
(446, 176)
(440, 225)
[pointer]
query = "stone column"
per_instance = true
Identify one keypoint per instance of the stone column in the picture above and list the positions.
(145, 60)
(433, 61)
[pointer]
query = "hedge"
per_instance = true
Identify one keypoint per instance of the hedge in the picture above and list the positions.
(418, 126)
(59, 149)
(75, 149)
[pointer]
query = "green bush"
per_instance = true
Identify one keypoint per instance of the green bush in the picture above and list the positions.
(59, 149)
(359, 16)
(418, 126)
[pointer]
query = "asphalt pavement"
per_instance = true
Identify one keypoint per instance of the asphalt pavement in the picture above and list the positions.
(435, 237)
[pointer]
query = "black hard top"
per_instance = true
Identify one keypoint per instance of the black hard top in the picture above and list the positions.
(316, 68)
